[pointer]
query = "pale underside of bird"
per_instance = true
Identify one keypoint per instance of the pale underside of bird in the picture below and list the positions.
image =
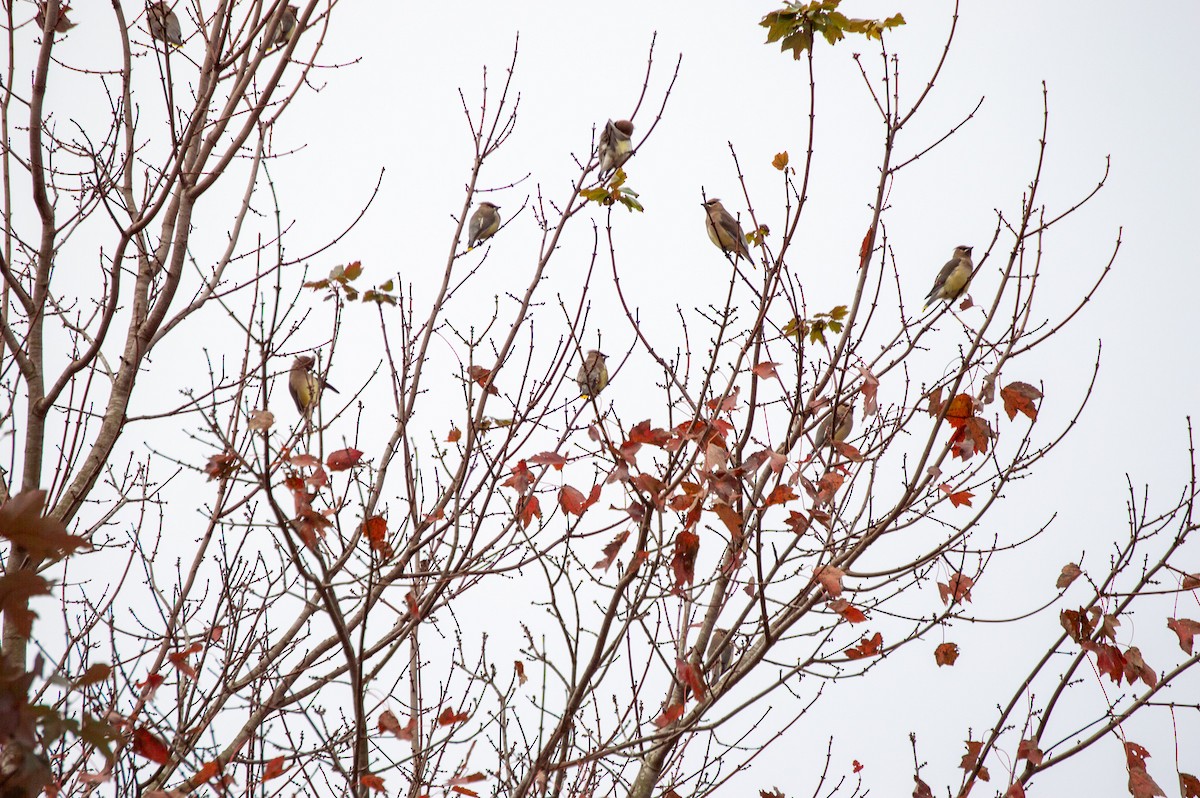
(842, 422)
(953, 279)
(593, 374)
(484, 224)
(724, 658)
(306, 386)
(616, 145)
(724, 230)
(164, 25)
(286, 29)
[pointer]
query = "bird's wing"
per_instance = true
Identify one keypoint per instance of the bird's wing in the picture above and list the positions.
(943, 275)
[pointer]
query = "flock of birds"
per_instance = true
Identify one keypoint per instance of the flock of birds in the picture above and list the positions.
(164, 25)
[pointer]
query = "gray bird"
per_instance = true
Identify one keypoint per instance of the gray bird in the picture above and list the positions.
(305, 386)
(593, 373)
(954, 278)
(725, 231)
(282, 33)
(842, 421)
(724, 659)
(484, 224)
(615, 146)
(163, 24)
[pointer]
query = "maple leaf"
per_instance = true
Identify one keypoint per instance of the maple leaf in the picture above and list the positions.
(145, 744)
(610, 551)
(683, 560)
(869, 391)
(22, 522)
(1189, 785)
(16, 588)
(374, 529)
(519, 667)
(454, 435)
(847, 610)
(669, 716)
(961, 410)
(922, 789)
(1185, 629)
(1136, 668)
(521, 479)
(343, 459)
(935, 401)
(971, 758)
(780, 161)
(729, 517)
(180, 659)
(414, 609)
(1027, 749)
(207, 772)
(868, 647)
(274, 768)
(689, 675)
(958, 589)
(946, 654)
(1019, 397)
(797, 522)
(1070, 572)
(642, 433)
(780, 495)
(481, 375)
(827, 486)
(864, 252)
(152, 683)
(1141, 785)
(221, 466)
(372, 781)
(1191, 581)
(1015, 790)
(571, 500)
(957, 499)
(830, 577)
(765, 370)
(856, 766)
(449, 717)
(549, 458)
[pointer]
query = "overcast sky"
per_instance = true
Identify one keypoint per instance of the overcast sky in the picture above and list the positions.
(1118, 85)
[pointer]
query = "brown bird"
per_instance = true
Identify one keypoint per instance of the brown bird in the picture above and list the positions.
(842, 420)
(484, 224)
(61, 23)
(954, 278)
(282, 33)
(163, 24)
(593, 374)
(718, 667)
(725, 231)
(615, 146)
(305, 386)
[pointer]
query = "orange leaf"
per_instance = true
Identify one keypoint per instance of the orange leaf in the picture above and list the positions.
(683, 561)
(527, 508)
(1019, 397)
(549, 458)
(959, 589)
(830, 578)
(642, 433)
(868, 647)
(519, 667)
(480, 375)
(449, 717)
(957, 499)
(372, 781)
(730, 517)
(1185, 629)
(669, 716)
(847, 610)
(961, 410)
(343, 459)
(145, 744)
(766, 370)
(611, 550)
(274, 768)
(1189, 785)
(780, 495)
(180, 659)
(571, 500)
(521, 479)
(454, 436)
(865, 248)
(945, 654)
(152, 683)
(690, 676)
(375, 531)
(1027, 749)
(206, 772)
(414, 609)
(780, 161)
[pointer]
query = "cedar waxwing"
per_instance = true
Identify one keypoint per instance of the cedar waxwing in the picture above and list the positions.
(593, 374)
(61, 23)
(615, 146)
(484, 224)
(305, 386)
(953, 279)
(724, 659)
(844, 414)
(725, 231)
(282, 33)
(163, 24)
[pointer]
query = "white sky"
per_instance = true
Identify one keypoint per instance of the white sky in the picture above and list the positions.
(1117, 85)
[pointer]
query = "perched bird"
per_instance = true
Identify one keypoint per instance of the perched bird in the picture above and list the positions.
(842, 421)
(725, 231)
(593, 374)
(61, 23)
(484, 223)
(724, 659)
(615, 146)
(953, 279)
(305, 386)
(282, 33)
(164, 25)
